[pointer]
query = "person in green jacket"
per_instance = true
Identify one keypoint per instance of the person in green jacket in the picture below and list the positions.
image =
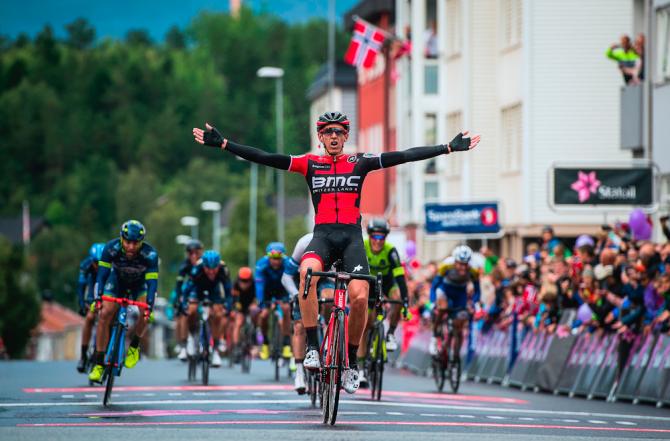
(629, 60)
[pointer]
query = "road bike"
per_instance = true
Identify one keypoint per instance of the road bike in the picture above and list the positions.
(246, 343)
(448, 359)
(116, 348)
(376, 355)
(204, 345)
(333, 351)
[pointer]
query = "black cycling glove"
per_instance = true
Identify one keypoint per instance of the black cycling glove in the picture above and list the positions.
(213, 138)
(458, 144)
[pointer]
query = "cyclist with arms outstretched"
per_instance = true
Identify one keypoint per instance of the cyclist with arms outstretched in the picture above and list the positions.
(335, 180)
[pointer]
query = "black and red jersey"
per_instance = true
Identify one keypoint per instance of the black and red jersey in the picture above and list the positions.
(335, 183)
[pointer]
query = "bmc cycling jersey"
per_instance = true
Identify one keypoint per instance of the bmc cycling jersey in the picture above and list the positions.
(335, 182)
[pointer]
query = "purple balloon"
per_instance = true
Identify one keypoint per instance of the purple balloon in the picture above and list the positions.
(637, 221)
(643, 233)
(584, 313)
(410, 249)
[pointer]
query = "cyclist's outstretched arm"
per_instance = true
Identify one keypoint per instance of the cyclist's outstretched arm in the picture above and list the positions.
(462, 142)
(212, 137)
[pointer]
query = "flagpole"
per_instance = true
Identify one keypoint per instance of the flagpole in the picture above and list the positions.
(331, 54)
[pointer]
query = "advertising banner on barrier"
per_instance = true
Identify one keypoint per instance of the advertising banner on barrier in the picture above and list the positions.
(606, 375)
(594, 360)
(475, 218)
(538, 358)
(520, 369)
(550, 371)
(572, 365)
(603, 186)
(637, 363)
(649, 389)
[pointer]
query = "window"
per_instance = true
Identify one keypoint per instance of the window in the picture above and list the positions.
(454, 125)
(511, 138)
(430, 75)
(430, 127)
(663, 45)
(511, 22)
(431, 40)
(454, 25)
(431, 191)
(409, 197)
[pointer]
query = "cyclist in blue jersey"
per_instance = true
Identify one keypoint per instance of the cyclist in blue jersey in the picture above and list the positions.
(269, 271)
(128, 267)
(209, 276)
(454, 291)
(194, 250)
(88, 271)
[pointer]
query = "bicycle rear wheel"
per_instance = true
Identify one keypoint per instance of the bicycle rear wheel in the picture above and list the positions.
(205, 354)
(335, 380)
(276, 346)
(455, 374)
(438, 372)
(192, 366)
(378, 367)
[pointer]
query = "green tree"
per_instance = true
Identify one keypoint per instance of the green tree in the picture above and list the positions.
(80, 34)
(18, 300)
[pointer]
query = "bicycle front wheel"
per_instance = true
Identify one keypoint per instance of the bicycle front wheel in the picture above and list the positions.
(378, 367)
(438, 373)
(335, 383)
(109, 369)
(455, 375)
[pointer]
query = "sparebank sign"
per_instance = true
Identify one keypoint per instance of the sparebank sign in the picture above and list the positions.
(462, 218)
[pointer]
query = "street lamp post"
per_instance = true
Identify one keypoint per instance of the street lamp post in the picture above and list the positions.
(191, 221)
(215, 208)
(253, 208)
(278, 74)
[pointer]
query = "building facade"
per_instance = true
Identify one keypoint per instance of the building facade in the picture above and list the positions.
(531, 77)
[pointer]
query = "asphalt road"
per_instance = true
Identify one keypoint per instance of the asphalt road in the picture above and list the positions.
(50, 401)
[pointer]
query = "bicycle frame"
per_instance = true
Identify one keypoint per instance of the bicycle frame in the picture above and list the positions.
(121, 319)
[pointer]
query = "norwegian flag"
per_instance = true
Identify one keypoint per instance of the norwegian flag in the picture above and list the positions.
(366, 42)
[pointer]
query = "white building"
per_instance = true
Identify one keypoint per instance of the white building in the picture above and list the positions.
(532, 78)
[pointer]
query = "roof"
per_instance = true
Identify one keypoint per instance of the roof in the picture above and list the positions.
(12, 227)
(369, 10)
(345, 77)
(55, 318)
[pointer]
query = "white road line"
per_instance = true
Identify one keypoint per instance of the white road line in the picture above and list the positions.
(90, 396)
(174, 394)
(569, 420)
(357, 413)
(626, 423)
(147, 394)
(584, 415)
(464, 416)
(526, 419)
(495, 417)
(597, 422)
(430, 414)
(394, 413)
(67, 396)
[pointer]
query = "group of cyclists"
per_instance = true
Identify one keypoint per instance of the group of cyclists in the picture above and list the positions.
(128, 266)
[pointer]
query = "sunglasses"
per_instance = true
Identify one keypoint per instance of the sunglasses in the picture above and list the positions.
(378, 237)
(335, 130)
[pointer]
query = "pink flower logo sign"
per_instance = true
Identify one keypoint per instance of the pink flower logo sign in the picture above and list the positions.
(585, 184)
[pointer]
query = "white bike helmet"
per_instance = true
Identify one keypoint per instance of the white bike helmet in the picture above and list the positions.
(462, 254)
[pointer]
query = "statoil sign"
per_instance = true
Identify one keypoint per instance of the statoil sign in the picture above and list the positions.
(475, 218)
(603, 186)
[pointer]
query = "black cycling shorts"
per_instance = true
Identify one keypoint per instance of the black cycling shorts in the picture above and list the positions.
(332, 242)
